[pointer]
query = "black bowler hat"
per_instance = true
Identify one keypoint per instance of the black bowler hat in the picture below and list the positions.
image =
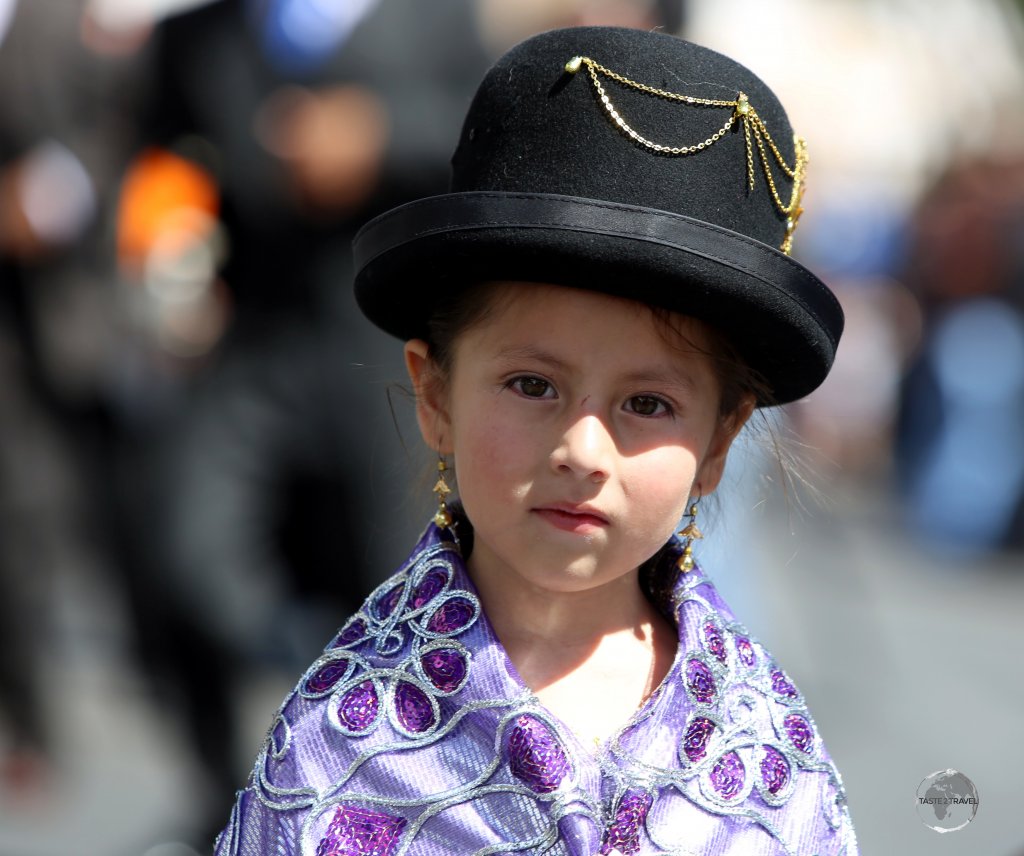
(626, 162)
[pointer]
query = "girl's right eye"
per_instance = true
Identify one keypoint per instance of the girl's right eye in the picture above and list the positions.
(532, 387)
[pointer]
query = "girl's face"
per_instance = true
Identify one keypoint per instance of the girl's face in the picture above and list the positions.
(579, 430)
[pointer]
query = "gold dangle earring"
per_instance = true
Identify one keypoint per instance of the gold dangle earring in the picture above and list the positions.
(689, 533)
(443, 517)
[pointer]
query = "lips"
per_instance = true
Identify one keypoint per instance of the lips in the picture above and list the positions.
(572, 517)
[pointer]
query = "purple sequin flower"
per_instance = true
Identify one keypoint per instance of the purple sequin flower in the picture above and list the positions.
(727, 775)
(715, 641)
(358, 708)
(781, 684)
(695, 741)
(324, 678)
(452, 616)
(535, 755)
(445, 668)
(774, 770)
(354, 631)
(700, 681)
(413, 708)
(360, 832)
(429, 588)
(745, 650)
(800, 732)
(623, 836)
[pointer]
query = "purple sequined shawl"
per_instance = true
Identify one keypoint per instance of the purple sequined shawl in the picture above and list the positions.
(413, 734)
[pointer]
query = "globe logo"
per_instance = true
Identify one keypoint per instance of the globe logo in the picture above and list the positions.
(947, 801)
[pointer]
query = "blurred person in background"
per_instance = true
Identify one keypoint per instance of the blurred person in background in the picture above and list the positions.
(65, 121)
(274, 128)
(960, 445)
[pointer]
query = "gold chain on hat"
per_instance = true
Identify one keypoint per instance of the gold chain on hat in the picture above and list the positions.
(754, 132)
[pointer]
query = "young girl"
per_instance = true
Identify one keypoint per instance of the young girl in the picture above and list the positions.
(590, 317)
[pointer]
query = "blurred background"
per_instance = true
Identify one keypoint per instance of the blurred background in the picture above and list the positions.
(206, 460)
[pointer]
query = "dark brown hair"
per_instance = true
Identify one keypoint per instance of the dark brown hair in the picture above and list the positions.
(468, 306)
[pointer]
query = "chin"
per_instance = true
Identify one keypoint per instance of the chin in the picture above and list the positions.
(576, 576)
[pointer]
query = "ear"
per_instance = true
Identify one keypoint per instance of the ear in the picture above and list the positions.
(711, 469)
(431, 397)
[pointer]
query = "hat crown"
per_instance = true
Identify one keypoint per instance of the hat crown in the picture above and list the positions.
(625, 162)
(534, 127)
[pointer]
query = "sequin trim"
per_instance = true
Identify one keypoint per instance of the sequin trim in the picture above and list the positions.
(358, 831)
(536, 756)
(776, 775)
(417, 612)
(714, 641)
(728, 776)
(735, 688)
(445, 665)
(623, 835)
(327, 672)
(696, 737)
(700, 681)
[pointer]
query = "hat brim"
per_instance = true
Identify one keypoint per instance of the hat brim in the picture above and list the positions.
(783, 319)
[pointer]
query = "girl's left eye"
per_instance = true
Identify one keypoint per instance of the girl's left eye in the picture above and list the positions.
(647, 405)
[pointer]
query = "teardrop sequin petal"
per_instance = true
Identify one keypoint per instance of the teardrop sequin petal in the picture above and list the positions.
(727, 775)
(715, 641)
(781, 685)
(429, 588)
(452, 616)
(413, 709)
(535, 755)
(695, 741)
(354, 631)
(700, 681)
(445, 668)
(357, 831)
(358, 708)
(623, 836)
(389, 600)
(774, 770)
(800, 733)
(327, 676)
(746, 651)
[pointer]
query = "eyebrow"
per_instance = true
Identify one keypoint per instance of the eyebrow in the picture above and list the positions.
(657, 376)
(677, 379)
(529, 352)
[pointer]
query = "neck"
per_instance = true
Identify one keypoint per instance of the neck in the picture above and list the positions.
(520, 610)
(550, 635)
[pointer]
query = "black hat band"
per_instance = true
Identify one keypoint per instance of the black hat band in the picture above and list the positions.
(478, 211)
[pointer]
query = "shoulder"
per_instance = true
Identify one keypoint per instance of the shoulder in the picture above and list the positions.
(379, 688)
(747, 743)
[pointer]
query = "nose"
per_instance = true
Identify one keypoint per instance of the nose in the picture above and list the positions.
(586, 449)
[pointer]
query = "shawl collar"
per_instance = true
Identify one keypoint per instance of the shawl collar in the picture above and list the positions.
(413, 734)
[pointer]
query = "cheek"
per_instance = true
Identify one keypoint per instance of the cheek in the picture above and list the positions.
(494, 453)
(660, 482)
